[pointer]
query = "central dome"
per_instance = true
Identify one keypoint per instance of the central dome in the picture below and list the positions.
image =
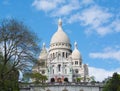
(60, 36)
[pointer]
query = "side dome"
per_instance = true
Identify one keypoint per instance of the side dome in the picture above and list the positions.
(60, 36)
(76, 54)
(43, 54)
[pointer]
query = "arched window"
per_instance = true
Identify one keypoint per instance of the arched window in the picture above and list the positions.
(52, 80)
(53, 71)
(80, 63)
(66, 54)
(76, 62)
(63, 54)
(53, 55)
(43, 71)
(66, 79)
(59, 67)
(76, 70)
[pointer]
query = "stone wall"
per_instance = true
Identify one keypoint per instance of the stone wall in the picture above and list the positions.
(63, 87)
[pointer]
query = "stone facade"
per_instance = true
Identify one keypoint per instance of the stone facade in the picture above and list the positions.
(60, 63)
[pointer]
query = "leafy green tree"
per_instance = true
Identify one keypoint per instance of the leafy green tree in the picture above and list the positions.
(92, 78)
(18, 49)
(88, 79)
(36, 77)
(113, 84)
(79, 79)
(11, 81)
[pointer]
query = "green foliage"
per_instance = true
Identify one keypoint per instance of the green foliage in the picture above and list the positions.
(11, 81)
(18, 49)
(36, 77)
(79, 79)
(92, 78)
(113, 84)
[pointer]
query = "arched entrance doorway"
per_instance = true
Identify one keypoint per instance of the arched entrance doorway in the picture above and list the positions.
(52, 80)
(48, 90)
(59, 80)
(81, 90)
(65, 89)
(66, 79)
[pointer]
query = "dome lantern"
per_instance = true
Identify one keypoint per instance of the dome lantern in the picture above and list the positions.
(75, 45)
(60, 22)
(76, 54)
(44, 46)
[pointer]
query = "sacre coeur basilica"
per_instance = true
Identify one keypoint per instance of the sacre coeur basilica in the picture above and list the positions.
(60, 63)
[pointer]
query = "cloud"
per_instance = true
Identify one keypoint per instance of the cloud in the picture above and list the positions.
(115, 25)
(46, 5)
(87, 2)
(57, 8)
(95, 18)
(108, 53)
(93, 15)
(66, 9)
(100, 74)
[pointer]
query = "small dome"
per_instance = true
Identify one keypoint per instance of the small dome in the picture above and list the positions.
(43, 54)
(76, 54)
(60, 35)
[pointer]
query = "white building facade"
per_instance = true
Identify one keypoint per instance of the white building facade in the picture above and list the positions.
(60, 63)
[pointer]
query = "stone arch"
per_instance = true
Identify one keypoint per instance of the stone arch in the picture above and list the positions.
(48, 90)
(64, 89)
(63, 54)
(52, 80)
(59, 80)
(53, 55)
(66, 79)
(59, 67)
(53, 71)
(66, 54)
(76, 71)
(81, 90)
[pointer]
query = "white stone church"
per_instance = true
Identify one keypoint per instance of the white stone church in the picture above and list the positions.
(60, 63)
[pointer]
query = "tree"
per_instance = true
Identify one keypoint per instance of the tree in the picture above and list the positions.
(113, 84)
(39, 78)
(79, 79)
(18, 48)
(36, 77)
(92, 79)
(11, 82)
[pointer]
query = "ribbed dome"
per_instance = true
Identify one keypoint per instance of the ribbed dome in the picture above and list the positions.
(60, 35)
(76, 54)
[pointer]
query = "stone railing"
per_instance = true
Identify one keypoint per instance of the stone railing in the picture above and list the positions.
(55, 86)
(23, 85)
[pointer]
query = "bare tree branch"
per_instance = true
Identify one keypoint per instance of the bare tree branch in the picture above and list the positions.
(19, 46)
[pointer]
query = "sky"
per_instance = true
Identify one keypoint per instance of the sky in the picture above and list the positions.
(93, 24)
